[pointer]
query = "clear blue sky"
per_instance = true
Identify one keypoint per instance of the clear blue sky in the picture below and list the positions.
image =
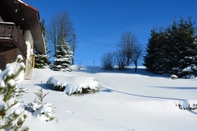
(100, 23)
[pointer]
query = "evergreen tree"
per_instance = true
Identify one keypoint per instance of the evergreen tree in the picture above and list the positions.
(12, 115)
(154, 52)
(184, 47)
(41, 61)
(43, 28)
(63, 59)
(173, 50)
(44, 111)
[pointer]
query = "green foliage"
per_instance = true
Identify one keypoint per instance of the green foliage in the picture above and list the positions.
(64, 56)
(40, 109)
(40, 97)
(12, 116)
(171, 50)
(41, 61)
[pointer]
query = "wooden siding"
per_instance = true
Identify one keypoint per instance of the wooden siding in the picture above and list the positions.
(12, 43)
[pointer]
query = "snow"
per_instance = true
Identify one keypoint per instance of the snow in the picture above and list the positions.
(47, 108)
(74, 84)
(11, 68)
(127, 101)
(11, 82)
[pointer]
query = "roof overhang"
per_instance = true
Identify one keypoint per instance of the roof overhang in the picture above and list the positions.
(32, 19)
(15, 10)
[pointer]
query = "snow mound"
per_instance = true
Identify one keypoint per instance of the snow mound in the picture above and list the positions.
(12, 69)
(45, 112)
(74, 84)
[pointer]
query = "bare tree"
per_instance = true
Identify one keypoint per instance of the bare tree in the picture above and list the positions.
(108, 61)
(60, 26)
(126, 44)
(121, 59)
(136, 55)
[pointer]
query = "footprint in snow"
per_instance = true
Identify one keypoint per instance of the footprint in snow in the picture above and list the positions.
(98, 119)
(71, 112)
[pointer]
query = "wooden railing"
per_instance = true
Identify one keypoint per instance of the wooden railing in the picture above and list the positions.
(9, 32)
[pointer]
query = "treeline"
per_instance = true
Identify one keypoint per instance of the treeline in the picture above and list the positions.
(129, 50)
(173, 50)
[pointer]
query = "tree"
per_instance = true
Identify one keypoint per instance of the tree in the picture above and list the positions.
(43, 28)
(129, 50)
(137, 53)
(155, 51)
(173, 50)
(60, 26)
(121, 59)
(64, 56)
(12, 115)
(108, 61)
(39, 109)
(126, 43)
(41, 61)
(183, 35)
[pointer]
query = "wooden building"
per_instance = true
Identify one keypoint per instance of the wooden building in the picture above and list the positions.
(20, 32)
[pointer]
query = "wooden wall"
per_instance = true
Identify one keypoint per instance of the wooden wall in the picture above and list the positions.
(8, 56)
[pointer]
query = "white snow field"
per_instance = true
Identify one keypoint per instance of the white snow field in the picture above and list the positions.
(127, 101)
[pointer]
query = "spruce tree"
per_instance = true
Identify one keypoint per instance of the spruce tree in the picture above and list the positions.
(12, 115)
(173, 50)
(154, 52)
(184, 47)
(44, 111)
(63, 59)
(41, 61)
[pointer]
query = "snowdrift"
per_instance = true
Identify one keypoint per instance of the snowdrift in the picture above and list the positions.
(74, 84)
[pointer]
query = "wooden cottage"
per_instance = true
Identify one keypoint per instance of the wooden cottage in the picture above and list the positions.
(20, 32)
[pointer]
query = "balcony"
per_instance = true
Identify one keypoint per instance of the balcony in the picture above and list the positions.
(10, 38)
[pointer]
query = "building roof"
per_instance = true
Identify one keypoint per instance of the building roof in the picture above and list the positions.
(26, 16)
(32, 19)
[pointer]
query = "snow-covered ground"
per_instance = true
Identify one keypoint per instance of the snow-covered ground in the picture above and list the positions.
(127, 101)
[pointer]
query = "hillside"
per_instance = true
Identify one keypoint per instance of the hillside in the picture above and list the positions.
(126, 102)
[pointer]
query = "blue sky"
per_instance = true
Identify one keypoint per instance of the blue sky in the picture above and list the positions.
(100, 23)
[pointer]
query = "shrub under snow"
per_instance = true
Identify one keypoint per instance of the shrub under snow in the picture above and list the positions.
(73, 85)
(39, 109)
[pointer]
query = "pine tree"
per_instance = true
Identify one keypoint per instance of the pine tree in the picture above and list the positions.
(185, 47)
(154, 52)
(44, 111)
(12, 115)
(173, 50)
(41, 61)
(63, 59)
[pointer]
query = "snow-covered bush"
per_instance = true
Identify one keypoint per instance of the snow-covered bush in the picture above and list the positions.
(174, 77)
(45, 112)
(12, 113)
(73, 84)
(187, 106)
(39, 109)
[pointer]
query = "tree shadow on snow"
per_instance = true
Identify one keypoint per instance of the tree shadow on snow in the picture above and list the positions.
(46, 86)
(184, 101)
(108, 90)
(129, 70)
(176, 88)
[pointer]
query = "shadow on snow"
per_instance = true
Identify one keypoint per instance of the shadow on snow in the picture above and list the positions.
(130, 70)
(108, 90)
